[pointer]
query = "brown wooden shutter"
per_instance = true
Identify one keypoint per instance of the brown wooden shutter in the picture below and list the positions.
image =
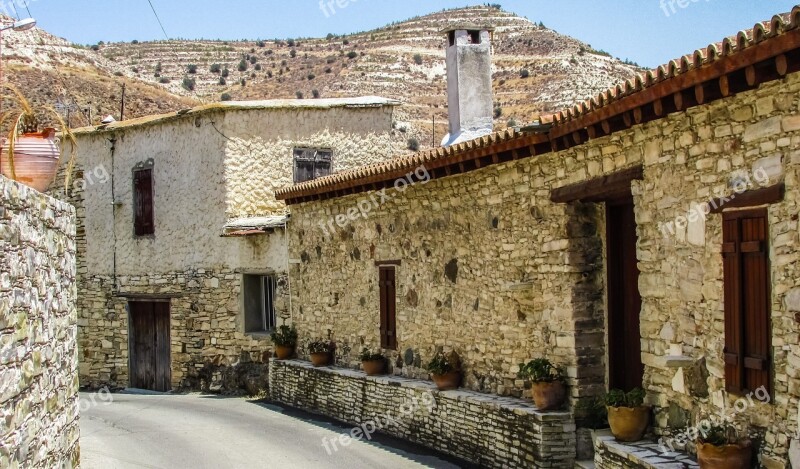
(747, 300)
(143, 202)
(388, 300)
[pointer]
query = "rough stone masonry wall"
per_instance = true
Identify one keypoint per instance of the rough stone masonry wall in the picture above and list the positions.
(38, 352)
(493, 269)
(486, 430)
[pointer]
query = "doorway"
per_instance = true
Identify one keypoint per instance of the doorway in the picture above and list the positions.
(625, 368)
(149, 327)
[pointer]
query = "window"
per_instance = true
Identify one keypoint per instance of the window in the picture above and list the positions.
(311, 163)
(388, 305)
(143, 202)
(747, 300)
(259, 308)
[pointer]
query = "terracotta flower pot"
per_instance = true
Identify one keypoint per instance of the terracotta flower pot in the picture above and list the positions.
(447, 381)
(35, 159)
(284, 352)
(725, 457)
(628, 424)
(549, 396)
(320, 359)
(373, 367)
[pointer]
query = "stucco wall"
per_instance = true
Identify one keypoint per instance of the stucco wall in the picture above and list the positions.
(529, 281)
(207, 170)
(38, 352)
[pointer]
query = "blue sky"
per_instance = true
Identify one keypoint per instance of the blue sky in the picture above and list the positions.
(649, 32)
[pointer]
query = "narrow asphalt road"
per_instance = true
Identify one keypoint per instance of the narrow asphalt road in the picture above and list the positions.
(164, 431)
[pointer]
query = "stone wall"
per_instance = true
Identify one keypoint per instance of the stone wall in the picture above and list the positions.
(38, 352)
(494, 270)
(486, 430)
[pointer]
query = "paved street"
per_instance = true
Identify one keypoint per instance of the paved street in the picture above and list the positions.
(196, 431)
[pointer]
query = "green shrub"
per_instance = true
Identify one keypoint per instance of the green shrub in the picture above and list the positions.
(292, 53)
(163, 80)
(225, 72)
(418, 59)
(299, 94)
(189, 84)
(192, 68)
(620, 398)
(442, 364)
(367, 355)
(352, 54)
(242, 65)
(540, 370)
(524, 73)
(315, 93)
(413, 144)
(311, 76)
(284, 336)
(319, 346)
(215, 68)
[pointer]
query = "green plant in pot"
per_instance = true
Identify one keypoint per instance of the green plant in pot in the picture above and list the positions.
(320, 351)
(445, 370)
(628, 417)
(285, 340)
(720, 448)
(374, 363)
(549, 390)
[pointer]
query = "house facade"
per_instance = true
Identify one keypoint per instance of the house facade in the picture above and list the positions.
(646, 238)
(181, 245)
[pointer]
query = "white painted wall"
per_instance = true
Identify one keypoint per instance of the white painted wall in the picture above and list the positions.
(204, 177)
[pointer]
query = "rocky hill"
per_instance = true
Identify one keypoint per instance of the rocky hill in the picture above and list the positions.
(535, 69)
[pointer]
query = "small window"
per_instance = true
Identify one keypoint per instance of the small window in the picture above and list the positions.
(451, 36)
(259, 308)
(747, 300)
(474, 37)
(388, 305)
(143, 202)
(311, 163)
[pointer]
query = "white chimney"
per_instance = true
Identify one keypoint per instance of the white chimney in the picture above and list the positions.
(469, 82)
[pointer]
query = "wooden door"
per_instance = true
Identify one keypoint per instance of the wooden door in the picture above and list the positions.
(149, 345)
(624, 301)
(388, 307)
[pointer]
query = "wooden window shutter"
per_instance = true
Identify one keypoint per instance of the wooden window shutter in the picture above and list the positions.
(388, 304)
(747, 300)
(143, 202)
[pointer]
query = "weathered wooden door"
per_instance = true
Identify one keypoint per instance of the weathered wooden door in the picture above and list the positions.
(624, 301)
(149, 345)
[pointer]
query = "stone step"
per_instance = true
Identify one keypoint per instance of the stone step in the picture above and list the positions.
(588, 464)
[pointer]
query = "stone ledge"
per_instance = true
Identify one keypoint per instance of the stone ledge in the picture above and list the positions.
(515, 405)
(487, 430)
(613, 454)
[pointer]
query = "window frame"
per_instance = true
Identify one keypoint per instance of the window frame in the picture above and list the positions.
(387, 307)
(746, 371)
(299, 155)
(268, 319)
(143, 226)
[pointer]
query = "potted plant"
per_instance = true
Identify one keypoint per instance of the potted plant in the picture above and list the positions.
(373, 363)
(320, 351)
(549, 390)
(445, 370)
(720, 448)
(285, 340)
(627, 414)
(31, 151)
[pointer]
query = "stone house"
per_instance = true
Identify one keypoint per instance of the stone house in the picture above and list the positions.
(181, 247)
(646, 237)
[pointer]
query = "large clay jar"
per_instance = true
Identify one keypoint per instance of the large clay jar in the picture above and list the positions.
(447, 381)
(725, 457)
(283, 352)
(373, 367)
(320, 359)
(35, 159)
(628, 424)
(549, 396)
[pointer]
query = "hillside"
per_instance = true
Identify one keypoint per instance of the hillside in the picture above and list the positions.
(77, 81)
(535, 70)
